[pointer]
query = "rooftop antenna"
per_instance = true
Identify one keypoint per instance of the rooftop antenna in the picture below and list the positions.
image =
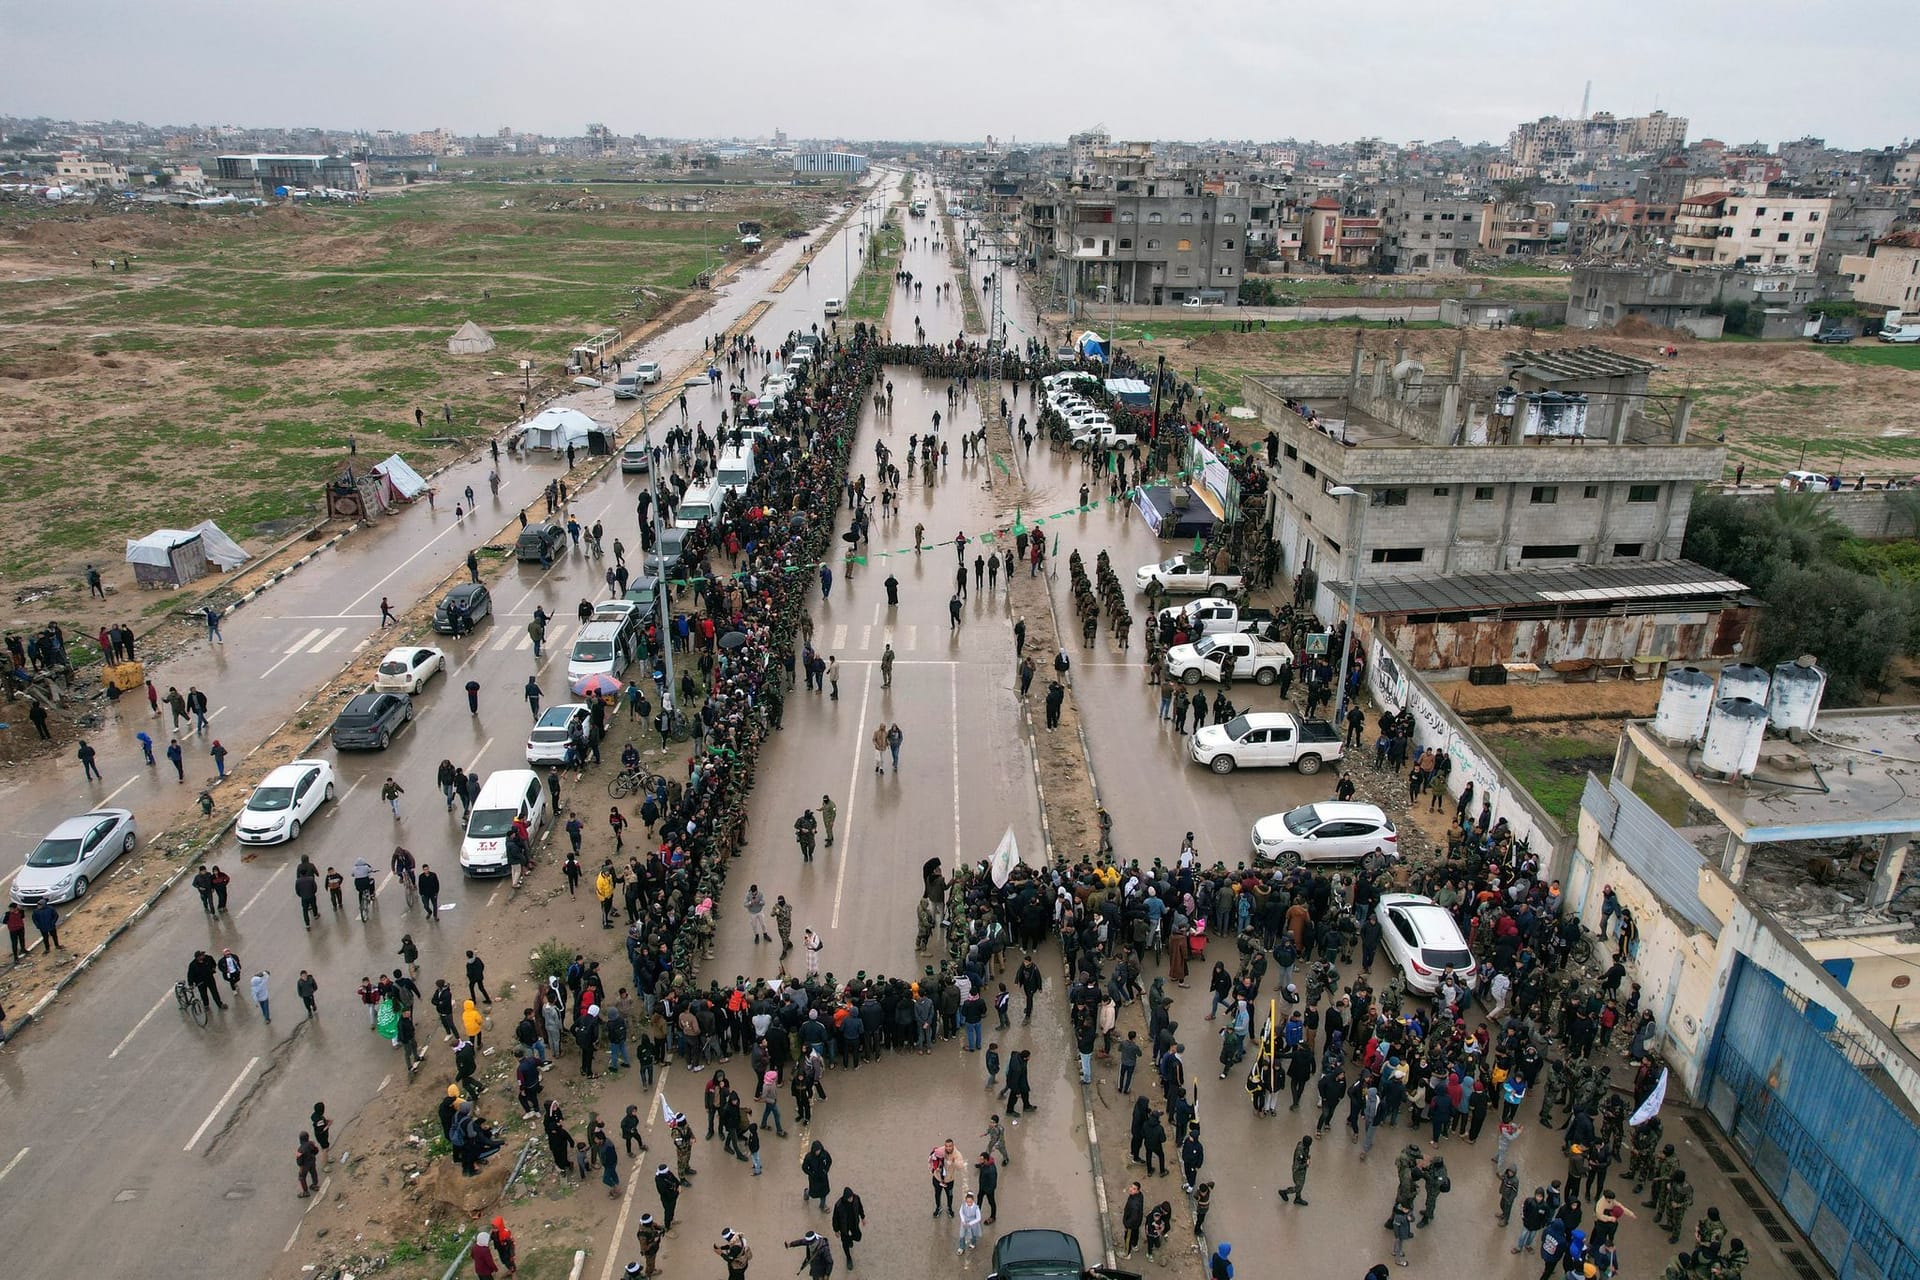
(1585, 98)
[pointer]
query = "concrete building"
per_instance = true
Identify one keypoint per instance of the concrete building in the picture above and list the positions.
(1520, 228)
(75, 169)
(262, 172)
(828, 162)
(1601, 296)
(1565, 459)
(1725, 228)
(1888, 274)
(1760, 843)
(1167, 242)
(1331, 237)
(1555, 143)
(1624, 228)
(1426, 233)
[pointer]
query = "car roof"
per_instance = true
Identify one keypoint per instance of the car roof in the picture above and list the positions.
(466, 591)
(560, 713)
(81, 823)
(1032, 1246)
(1344, 811)
(289, 773)
(405, 652)
(363, 702)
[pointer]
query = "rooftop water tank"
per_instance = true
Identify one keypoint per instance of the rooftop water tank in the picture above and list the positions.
(1686, 699)
(1735, 733)
(1744, 680)
(1793, 701)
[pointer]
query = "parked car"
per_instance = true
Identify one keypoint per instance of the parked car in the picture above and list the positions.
(285, 801)
(637, 457)
(1423, 941)
(505, 795)
(1043, 1254)
(833, 307)
(541, 542)
(1331, 831)
(547, 743)
(1256, 739)
(369, 721)
(643, 593)
(470, 597)
(1834, 337)
(71, 857)
(1186, 575)
(407, 669)
(648, 371)
(1809, 481)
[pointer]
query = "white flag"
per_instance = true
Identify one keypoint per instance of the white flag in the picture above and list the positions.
(1005, 859)
(667, 1113)
(1651, 1107)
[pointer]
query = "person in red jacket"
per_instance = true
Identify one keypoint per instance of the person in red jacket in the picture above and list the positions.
(485, 1265)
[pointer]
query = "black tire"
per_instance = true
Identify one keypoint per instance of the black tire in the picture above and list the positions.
(293, 831)
(80, 888)
(1266, 675)
(1190, 676)
(1308, 765)
(198, 1009)
(1287, 859)
(1219, 591)
(1223, 764)
(380, 743)
(329, 794)
(617, 786)
(126, 846)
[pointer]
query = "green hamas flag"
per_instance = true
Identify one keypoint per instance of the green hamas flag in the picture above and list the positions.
(1199, 544)
(1018, 527)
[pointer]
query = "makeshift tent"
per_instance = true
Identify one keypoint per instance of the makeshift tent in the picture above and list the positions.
(402, 482)
(1092, 345)
(469, 340)
(222, 552)
(555, 428)
(167, 558)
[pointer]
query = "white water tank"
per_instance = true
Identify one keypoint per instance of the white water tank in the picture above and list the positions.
(1686, 699)
(1735, 733)
(1744, 680)
(1793, 701)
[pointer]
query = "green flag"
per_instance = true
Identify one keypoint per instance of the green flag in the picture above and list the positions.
(1199, 544)
(1018, 527)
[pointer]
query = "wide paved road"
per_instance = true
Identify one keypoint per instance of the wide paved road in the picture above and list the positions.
(154, 1121)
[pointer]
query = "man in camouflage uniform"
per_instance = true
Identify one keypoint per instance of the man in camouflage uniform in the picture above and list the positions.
(1556, 1090)
(1664, 1167)
(1646, 1141)
(783, 920)
(1407, 1166)
(926, 923)
(1433, 1174)
(683, 1148)
(1679, 1200)
(1710, 1232)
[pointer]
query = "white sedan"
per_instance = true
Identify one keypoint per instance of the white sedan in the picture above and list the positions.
(1423, 941)
(72, 856)
(285, 800)
(407, 670)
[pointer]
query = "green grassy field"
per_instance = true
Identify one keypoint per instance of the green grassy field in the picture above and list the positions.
(222, 377)
(873, 287)
(1906, 356)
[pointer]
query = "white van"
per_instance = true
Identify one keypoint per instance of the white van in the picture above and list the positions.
(504, 796)
(735, 470)
(603, 648)
(698, 504)
(834, 306)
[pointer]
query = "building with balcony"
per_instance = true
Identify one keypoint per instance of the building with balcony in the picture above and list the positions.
(1331, 237)
(1173, 241)
(1424, 233)
(1519, 228)
(1888, 274)
(1729, 228)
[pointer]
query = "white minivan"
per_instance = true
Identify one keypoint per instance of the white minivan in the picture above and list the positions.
(735, 470)
(504, 796)
(604, 648)
(696, 505)
(833, 307)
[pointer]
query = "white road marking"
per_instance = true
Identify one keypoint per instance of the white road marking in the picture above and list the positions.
(474, 763)
(860, 745)
(122, 787)
(327, 639)
(262, 889)
(10, 875)
(16, 1160)
(136, 1027)
(426, 547)
(216, 711)
(840, 636)
(297, 646)
(866, 637)
(220, 1106)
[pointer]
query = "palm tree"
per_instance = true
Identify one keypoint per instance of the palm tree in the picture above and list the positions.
(1809, 521)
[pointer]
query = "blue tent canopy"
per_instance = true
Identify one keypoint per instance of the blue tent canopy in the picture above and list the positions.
(1093, 345)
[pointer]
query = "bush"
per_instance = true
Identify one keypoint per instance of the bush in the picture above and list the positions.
(550, 960)
(1853, 623)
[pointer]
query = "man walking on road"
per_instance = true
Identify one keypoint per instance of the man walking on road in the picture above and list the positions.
(386, 615)
(533, 696)
(178, 759)
(473, 697)
(429, 885)
(477, 978)
(391, 792)
(212, 613)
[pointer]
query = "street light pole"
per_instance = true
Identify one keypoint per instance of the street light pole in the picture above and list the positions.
(1343, 491)
(666, 586)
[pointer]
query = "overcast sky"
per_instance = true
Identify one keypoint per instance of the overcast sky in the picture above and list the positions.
(1014, 69)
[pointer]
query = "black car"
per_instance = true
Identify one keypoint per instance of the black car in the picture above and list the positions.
(370, 720)
(645, 591)
(541, 541)
(470, 599)
(1040, 1254)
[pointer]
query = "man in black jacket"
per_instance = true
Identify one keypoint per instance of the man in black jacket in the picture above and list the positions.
(848, 1214)
(200, 973)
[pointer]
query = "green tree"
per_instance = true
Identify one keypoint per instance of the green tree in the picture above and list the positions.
(1753, 540)
(1853, 623)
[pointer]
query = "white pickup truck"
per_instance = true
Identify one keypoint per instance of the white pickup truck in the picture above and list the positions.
(1212, 617)
(1253, 658)
(1186, 575)
(1258, 739)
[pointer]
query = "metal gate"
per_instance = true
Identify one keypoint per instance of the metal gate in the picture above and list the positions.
(1837, 1153)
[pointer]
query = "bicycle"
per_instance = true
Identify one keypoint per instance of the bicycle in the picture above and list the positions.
(632, 781)
(411, 888)
(191, 1005)
(364, 891)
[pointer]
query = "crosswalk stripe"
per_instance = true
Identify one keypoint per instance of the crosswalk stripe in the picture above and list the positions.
(506, 638)
(840, 636)
(303, 641)
(866, 636)
(327, 639)
(913, 632)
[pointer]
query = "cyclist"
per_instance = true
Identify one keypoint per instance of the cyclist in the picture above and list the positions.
(403, 869)
(363, 877)
(630, 759)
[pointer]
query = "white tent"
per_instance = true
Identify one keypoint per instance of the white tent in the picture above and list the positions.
(555, 428)
(403, 480)
(470, 340)
(167, 557)
(221, 550)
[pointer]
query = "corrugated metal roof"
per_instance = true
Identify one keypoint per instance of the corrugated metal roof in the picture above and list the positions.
(1570, 584)
(1575, 364)
(1654, 851)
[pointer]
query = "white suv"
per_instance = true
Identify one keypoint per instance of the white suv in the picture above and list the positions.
(1331, 831)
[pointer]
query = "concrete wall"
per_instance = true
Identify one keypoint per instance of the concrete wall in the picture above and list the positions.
(1875, 974)
(1395, 685)
(1468, 313)
(1866, 513)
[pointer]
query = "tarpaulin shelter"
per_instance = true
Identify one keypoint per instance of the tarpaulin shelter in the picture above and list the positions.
(222, 552)
(167, 558)
(402, 482)
(1092, 345)
(555, 428)
(469, 340)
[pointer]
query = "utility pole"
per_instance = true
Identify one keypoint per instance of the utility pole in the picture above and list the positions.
(666, 587)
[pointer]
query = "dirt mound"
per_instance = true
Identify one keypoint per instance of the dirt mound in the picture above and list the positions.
(1640, 327)
(32, 366)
